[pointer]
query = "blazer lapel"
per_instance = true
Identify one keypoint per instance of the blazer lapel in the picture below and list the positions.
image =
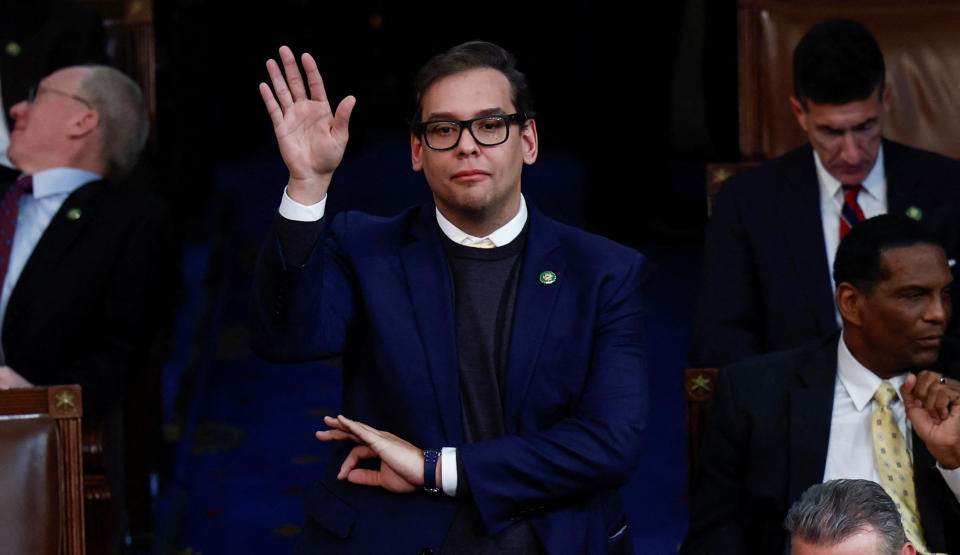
(533, 309)
(431, 293)
(67, 224)
(798, 205)
(811, 409)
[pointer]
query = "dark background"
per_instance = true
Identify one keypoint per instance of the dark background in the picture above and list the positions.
(640, 97)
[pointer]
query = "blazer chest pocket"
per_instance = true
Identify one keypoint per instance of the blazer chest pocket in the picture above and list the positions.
(327, 510)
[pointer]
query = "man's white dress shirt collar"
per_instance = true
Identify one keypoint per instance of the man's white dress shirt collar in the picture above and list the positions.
(859, 381)
(875, 184)
(502, 236)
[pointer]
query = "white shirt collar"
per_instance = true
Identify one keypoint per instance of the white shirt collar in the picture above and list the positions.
(60, 180)
(875, 184)
(859, 381)
(499, 238)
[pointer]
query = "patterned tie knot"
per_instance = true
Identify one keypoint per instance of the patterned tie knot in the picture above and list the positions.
(24, 184)
(854, 188)
(885, 395)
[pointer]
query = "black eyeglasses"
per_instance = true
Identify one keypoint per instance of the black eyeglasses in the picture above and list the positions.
(35, 90)
(486, 130)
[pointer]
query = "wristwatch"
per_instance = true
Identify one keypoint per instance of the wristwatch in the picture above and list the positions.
(430, 458)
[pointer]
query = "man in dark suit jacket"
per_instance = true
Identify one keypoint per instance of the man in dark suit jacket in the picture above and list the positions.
(522, 361)
(770, 241)
(90, 268)
(784, 421)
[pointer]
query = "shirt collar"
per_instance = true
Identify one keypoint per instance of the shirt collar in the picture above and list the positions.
(860, 382)
(875, 184)
(499, 238)
(60, 181)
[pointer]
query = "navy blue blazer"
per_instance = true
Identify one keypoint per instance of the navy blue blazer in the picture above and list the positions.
(765, 281)
(378, 292)
(766, 443)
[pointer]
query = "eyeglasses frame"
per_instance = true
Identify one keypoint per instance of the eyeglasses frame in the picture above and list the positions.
(37, 89)
(518, 117)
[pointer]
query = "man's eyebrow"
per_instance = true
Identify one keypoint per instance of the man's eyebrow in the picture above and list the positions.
(479, 114)
(830, 129)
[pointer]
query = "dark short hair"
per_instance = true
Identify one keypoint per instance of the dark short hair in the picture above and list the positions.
(858, 259)
(829, 513)
(836, 62)
(463, 57)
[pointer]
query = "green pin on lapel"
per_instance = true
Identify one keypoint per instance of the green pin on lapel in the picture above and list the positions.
(914, 213)
(13, 49)
(548, 278)
(74, 214)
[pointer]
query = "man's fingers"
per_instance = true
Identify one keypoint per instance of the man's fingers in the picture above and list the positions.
(349, 463)
(273, 109)
(925, 379)
(314, 80)
(292, 72)
(279, 85)
(335, 435)
(364, 477)
(907, 391)
(341, 119)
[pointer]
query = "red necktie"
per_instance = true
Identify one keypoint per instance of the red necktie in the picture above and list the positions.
(850, 214)
(9, 208)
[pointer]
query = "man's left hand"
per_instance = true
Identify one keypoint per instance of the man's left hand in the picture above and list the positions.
(9, 379)
(938, 424)
(401, 463)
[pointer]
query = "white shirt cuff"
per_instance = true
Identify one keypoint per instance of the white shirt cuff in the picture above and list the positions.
(952, 478)
(293, 210)
(448, 470)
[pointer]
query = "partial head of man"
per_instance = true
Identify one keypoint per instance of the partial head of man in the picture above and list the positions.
(894, 294)
(840, 98)
(846, 517)
(472, 130)
(87, 117)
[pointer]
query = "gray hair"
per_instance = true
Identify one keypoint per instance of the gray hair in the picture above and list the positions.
(829, 513)
(124, 121)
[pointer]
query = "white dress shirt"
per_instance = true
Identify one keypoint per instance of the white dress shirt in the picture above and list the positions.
(293, 210)
(50, 189)
(850, 449)
(872, 200)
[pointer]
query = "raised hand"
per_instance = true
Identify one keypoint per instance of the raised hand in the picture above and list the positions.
(311, 136)
(401, 463)
(937, 425)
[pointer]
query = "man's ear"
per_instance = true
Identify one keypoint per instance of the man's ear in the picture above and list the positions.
(799, 112)
(886, 98)
(416, 152)
(83, 124)
(530, 141)
(849, 303)
(908, 549)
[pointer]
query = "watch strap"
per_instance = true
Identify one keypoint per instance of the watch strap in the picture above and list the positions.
(430, 458)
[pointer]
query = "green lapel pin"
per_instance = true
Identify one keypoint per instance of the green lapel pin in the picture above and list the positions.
(12, 49)
(914, 213)
(74, 214)
(547, 277)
